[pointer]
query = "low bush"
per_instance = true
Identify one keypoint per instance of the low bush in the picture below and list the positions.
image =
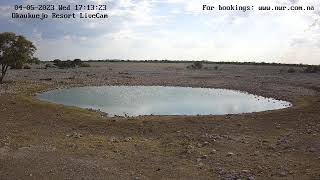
(291, 70)
(49, 66)
(85, 65)
(17, 66)
(312, 69)
(26, 67)
(69, 64)
(196, 65)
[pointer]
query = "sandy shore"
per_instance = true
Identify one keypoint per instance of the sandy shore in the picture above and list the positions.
(45, 141)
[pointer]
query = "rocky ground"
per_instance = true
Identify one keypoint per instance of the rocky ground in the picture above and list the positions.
(39, 140)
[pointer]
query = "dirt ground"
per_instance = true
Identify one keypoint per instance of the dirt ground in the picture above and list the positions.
(40, 140)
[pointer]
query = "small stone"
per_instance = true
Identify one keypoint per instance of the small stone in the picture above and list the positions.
(128, 139)
(245, 171)
(114, 140)
(137, 178)
(213, 151)
(190, 147)
(205, 143)
(283, 174)
(74, 135)
(312, 150)
(200, 164)
(204, 157)
(230, 154)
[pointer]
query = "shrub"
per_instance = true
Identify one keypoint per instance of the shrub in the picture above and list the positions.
(17, 66)
(312, 69)
(49, 66)
(291, 70)
(26, 67)
(56, 62)
(35, 60)
(85, 65)
(196, 65)
(64, 64)
(77, 62)
(69, 63)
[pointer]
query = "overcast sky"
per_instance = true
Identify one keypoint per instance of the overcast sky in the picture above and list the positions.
(175, 29)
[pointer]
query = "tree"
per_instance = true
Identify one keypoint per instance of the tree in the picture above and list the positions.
(77, 62)
(198, 65)
(35, 60)
(14, 52)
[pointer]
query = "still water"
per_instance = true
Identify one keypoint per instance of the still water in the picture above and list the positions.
(158, 100)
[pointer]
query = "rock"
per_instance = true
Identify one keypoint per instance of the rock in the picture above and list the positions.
(74, 135)
(199, 145)
(213, 151)
(128, 139)
(312, 150)
(137, 178)
(190, 147)
(204, 157)
(283, 174)
(200, 164)
(114, 140)
(205, 143)
(46, 79)
(230, 154)
(245, 171)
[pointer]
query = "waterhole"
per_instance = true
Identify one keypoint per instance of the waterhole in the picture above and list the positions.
(159, 100)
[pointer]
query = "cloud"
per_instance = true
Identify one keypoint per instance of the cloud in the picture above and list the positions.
(175, 29)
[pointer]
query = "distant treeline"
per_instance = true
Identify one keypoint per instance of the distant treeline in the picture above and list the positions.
(203, 61)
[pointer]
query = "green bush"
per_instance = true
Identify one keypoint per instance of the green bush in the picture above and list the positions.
(69, 63)
(64, 64)
(77, 62)
(17, 66)
(35, 60)
(291, 70)
(312, 69)
(85, 65)
(26, 67)
(49, 66)
(196, 65)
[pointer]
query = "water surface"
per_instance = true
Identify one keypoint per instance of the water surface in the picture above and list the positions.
(158, 100)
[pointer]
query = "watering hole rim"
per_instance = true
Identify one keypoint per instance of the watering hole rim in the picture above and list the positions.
(37, 94)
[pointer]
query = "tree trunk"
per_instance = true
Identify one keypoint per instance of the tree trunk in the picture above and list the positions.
(3, 73)
(1, 78)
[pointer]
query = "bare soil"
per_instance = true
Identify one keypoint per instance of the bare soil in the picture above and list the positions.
(39, 140)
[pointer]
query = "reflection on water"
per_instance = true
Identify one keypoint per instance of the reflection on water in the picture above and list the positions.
(157, 100)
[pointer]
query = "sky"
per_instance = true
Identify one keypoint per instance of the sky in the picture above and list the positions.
(174, 30)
